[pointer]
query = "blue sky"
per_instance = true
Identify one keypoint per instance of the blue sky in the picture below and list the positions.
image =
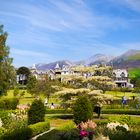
(43, 31)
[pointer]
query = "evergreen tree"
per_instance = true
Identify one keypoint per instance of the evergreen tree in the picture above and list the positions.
(36, 112)
(7, 71)
(82, 110)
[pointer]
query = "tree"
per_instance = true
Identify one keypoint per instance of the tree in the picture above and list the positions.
(36, 112)
(82, 110)
(23, 73)
(7, 71)
(31, 85)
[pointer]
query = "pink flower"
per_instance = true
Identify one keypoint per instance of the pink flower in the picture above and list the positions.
(83, 133)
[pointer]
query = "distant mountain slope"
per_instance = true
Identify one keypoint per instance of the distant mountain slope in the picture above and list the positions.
(130, 59)
(53, 64)
(96, 59)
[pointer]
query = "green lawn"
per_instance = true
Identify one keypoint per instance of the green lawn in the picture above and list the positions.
(134, 72)
(28, 98)
(119, 94)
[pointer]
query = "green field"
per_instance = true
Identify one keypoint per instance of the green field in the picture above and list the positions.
(134, 72)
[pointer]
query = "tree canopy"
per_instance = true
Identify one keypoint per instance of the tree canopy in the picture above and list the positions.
(23, 73)
(7, 71)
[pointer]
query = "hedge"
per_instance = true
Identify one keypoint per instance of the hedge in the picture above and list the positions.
(39, 127)
(25, 133)
(121, 111)
(9, 103)
(18, 134)
(103, 111)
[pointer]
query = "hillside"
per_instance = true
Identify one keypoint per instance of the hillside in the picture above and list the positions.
(130, 59)
(134, 72)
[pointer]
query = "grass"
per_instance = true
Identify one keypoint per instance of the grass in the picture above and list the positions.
(62, 125)
(59, 125)
(134, 72)
(119, 94)
(28, 98)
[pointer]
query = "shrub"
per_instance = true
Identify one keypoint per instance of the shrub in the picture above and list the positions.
(16, 91)
(36, 112)
(6, 120)
(121, 111)
(39, 127)
(8, 103)
(18, 134)
(2, 132)
(82, 110)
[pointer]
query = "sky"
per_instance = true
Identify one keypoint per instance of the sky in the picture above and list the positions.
(43, 31)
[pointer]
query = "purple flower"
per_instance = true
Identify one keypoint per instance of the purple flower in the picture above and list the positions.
(83, 133)
(79, 127)
(91, 133)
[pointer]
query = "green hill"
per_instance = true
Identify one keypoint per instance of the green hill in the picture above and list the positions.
(134, 72)
(134, 57)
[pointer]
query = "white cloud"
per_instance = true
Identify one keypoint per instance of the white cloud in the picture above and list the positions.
(22, 52)
(132, 4)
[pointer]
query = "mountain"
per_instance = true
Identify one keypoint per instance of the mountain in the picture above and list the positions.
(130, 59)
(53, 64)
(96, 59)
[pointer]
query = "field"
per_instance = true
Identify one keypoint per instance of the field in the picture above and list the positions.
(134, 72)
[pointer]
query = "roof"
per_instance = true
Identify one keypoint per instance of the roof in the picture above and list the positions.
(119, 72)
(57, 66)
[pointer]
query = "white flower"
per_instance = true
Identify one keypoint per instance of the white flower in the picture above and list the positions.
(1, 123)
(85, 138)
(125, 126)
(113, 125)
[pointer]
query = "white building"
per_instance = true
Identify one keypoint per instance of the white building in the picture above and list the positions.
(120, 77)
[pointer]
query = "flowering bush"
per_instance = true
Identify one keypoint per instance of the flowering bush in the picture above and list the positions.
(1, 123)
(87, 129)
(117, 125)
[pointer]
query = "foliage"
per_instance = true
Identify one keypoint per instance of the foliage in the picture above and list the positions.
(121, 134)
(39, 127)
(7, 71)
(121, 111)
(98, 98)
(83, 107)
(8, 103)
(16, 91)
(2, 132)
(68, 96)
(32, 83)
(43, 87)
(36, 112)
(18, 134)
(23, 73)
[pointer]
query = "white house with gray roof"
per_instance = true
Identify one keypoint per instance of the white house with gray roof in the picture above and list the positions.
(120, 77)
